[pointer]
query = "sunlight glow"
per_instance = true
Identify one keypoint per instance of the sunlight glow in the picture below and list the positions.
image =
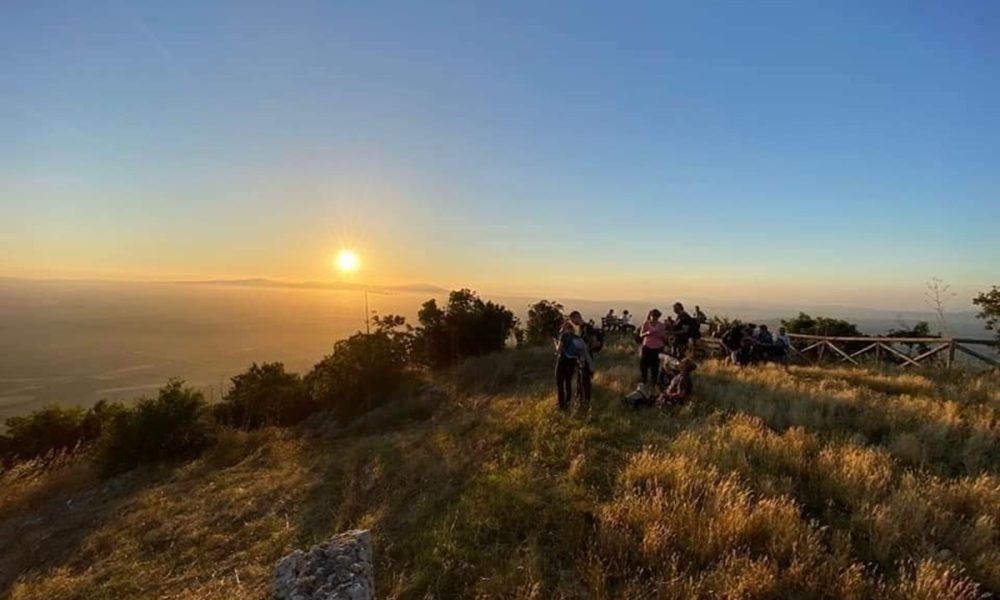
(347, 261)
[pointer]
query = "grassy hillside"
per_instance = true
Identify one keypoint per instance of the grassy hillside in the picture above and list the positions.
(805, 483)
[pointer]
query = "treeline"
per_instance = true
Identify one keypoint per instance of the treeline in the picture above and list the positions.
(361, 373)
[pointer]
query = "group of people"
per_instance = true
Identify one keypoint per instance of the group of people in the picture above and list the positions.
(676, 336)
(747, 344)
(613, 322)
(662, 343)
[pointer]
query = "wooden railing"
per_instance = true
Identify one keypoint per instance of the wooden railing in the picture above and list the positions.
(846, 349)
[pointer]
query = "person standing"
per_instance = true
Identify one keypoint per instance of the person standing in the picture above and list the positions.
(687, 329)
(585, 363)
(653, 337)
(567, 364)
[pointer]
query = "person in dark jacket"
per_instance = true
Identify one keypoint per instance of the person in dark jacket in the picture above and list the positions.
(585, 363)
(567, 363)
(686, 329)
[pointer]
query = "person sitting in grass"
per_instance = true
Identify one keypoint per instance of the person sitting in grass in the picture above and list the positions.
(681, 385)
(609, 320)
(625, 323)
(677, 391)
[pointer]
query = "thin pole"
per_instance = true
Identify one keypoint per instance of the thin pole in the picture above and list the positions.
(368, 329)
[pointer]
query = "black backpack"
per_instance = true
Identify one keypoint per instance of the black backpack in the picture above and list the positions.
(694, 329)
(595, 339)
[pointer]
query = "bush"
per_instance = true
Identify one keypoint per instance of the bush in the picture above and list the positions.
(825, 326)
(265, 394)
(172, 426)
(361, 373)
(921, 330)
(468, 326)
(51, 429)
(544, 320)
(989, 309)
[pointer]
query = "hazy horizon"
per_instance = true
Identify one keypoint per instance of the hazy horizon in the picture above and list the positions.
(76, 342)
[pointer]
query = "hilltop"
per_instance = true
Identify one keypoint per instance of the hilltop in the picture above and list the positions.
(809, 482)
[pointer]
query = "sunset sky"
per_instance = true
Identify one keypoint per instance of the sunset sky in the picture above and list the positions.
(820, 151)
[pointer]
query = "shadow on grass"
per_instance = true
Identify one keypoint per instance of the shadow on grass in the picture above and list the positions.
(491, 489)
(47, 529)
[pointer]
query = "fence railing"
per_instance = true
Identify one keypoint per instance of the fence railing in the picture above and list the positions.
(848, 349)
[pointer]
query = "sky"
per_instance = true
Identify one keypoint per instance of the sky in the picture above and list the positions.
(839, 152)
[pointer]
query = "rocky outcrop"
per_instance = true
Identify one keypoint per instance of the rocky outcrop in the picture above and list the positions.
(338, 569)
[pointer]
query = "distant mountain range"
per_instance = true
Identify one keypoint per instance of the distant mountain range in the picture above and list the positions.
(415, 288)
(258, 282)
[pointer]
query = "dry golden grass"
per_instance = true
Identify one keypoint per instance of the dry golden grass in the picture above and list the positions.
(799, 483)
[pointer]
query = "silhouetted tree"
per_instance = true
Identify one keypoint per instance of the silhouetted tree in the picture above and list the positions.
(174, 425)
(544, 320)
(50, 429)
(989, 308)
(936, 296)
(265, 394)
(921, 329)
(362, 372)
(468, 326)
(808, 325)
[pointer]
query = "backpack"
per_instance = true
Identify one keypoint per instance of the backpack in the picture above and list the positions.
(694, 329)
(595, 339)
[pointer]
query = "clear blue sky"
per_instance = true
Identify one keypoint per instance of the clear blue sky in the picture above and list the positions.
(840, 151)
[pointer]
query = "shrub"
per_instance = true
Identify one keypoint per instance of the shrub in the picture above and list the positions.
(827, 326)
(989, 308)
(921, 329)
(262, 395)
(51, 429)
(544, 319)
(171, 426)
(362, 372)
(467, 326)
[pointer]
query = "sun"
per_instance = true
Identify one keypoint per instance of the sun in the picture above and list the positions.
(347, 261)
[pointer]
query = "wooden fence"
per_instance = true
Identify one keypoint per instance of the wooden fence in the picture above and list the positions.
(817, 348)
(848, 349)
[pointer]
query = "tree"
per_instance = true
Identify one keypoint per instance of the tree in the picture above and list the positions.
(825, 326)
(936, 296)
(50, 429)
(989, 308)
(172, 426)
(265, 394)
(544, 320)
(362, 372)
(921, 330)
(467, 326)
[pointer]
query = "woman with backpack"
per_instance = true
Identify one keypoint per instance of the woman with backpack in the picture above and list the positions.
(567, 363)
(591, 341)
